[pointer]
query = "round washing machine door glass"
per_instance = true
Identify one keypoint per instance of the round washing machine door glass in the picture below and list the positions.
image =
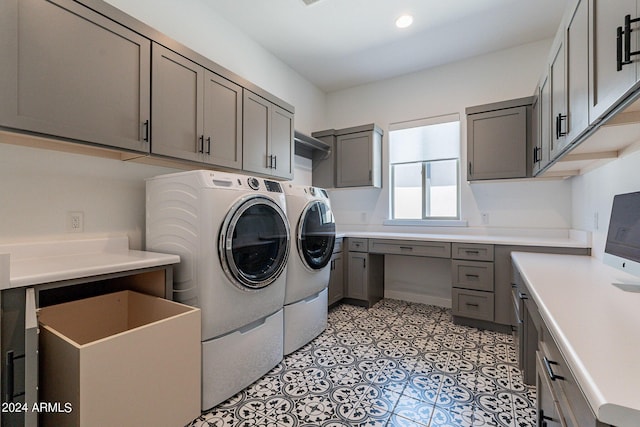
(254, 243)
(316, 235)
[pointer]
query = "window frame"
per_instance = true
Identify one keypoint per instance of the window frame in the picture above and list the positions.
(426, 220)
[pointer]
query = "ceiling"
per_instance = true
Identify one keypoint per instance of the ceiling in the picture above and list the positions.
(337, 44)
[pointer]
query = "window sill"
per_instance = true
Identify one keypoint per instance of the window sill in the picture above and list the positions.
(427, 222)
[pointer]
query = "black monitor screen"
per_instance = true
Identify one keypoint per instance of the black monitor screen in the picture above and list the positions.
(623, 238)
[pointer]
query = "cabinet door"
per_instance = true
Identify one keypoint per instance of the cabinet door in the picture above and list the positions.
(535, 132)
(608, 84)
(336, 280)
(256, 123)
(72, 73)
(497, 144)
(355, 160)
(577, 49)
(222, 121)
(543, 155)
(357, 275)
(558, 100)
(547, 409)
(177, 121)
(281, 142)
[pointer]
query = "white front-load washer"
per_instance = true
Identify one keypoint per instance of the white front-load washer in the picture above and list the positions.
(233, 238)
(314, 232)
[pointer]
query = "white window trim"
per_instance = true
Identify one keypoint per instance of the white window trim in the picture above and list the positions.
(427, 222)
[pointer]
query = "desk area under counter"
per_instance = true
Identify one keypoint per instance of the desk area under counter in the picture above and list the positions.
(587, 339)
(471, 273)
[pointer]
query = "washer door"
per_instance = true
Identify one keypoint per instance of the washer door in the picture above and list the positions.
(254, 242)
(316, 235)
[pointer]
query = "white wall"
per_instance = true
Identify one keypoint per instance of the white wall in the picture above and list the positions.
(498, 76)
(593, 195)
(38, 187)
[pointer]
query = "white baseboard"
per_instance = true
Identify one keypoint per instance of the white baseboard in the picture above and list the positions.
(419, 298)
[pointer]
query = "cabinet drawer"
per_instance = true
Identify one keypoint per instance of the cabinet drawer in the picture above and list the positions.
(415, 248)
(338, 246)
(357, 245)
(472, 251)
(476, 275)
(473, 304)
(571, 400)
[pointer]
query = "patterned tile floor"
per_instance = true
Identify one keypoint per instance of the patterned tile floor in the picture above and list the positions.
(396, 364)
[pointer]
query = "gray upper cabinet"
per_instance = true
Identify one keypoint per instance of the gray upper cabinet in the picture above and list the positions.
(609, 79)
(196, 113)
(543, 139)
(177, 121)
(267, 137)
(558, 80)
(359, 157)
(498, 140)
(222, 121)
(54, 79)
(577, 51)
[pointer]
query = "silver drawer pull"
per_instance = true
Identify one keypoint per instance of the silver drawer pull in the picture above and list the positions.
(472, 276)
(547, 365)
(472, 252)
(471, 304)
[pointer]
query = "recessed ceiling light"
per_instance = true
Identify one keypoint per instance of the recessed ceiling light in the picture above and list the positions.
(404, 21)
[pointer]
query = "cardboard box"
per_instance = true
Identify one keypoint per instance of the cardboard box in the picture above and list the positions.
(121, 359)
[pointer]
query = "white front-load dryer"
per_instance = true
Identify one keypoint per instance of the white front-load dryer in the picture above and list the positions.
(314, 231)
(233, 238)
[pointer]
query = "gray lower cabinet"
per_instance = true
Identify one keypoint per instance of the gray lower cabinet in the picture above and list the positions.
(336, 278)
(365, 273)
(498, 140)
(472, 293)
(560, 400)
(68, 72)
(196, 113)
(267, 137)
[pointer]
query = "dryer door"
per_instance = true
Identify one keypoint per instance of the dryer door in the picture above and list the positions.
(254, 242)
(316, 235)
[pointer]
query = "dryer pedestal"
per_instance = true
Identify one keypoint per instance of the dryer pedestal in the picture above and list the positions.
(304, 320)
(234, 361)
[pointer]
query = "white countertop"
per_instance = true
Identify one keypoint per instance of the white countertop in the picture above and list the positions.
(36, 263)
(572, 240)
(596, 326)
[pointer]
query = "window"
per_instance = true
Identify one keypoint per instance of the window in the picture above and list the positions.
(424, 157)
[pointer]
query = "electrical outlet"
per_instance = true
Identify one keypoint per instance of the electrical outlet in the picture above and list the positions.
(75, 222)
(485, 218)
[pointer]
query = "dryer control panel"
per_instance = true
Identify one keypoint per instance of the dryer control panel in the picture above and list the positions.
(273, 186)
